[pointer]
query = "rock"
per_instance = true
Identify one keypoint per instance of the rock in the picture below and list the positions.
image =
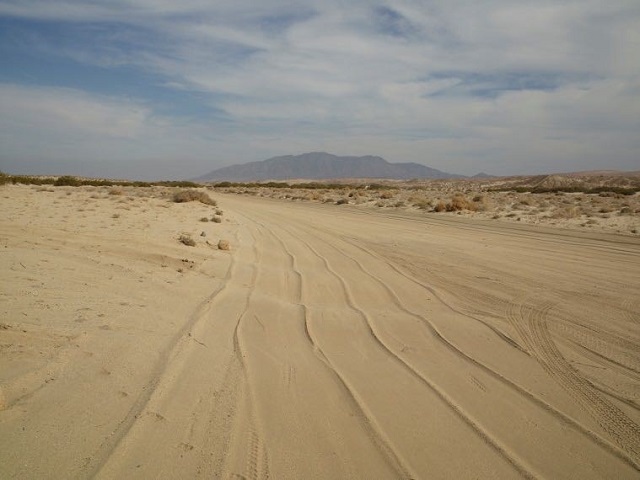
(223, 245)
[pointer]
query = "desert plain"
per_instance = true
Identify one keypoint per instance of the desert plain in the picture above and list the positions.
(357, 335)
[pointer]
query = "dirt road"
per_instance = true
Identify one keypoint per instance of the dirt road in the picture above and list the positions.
(342, 343)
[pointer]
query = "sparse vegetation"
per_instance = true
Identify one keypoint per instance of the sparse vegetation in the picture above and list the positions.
(459, 203)
(68, 180)
(440, 207)
(193, 196)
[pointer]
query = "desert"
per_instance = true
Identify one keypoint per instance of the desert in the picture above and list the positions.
(353, 331)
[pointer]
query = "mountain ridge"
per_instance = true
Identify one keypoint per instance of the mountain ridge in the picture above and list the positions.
(323, 166)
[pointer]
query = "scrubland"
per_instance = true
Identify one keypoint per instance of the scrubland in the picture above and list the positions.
(415, 330)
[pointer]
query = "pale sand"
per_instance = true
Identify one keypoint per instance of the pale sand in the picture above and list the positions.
(328, 342)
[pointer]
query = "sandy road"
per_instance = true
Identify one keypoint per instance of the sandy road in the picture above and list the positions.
(364, 346)
(351, 344)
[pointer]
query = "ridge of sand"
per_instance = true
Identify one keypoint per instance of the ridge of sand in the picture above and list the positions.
(329, 342)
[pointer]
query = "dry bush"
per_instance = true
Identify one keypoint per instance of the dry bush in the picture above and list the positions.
(459, 203)
(223, 245)
(481, 203)
(566, 213)
(422, 203)
(204, 219)
(342, 201)
(187, 240)
(193, 196)
(116, 191)
(216, 219)
(386, 195)
(440, 207)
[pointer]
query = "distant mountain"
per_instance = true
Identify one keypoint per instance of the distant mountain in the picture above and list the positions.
(321, 165)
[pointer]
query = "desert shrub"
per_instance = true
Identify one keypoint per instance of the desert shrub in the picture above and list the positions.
(420, 202)
(204, 219)
(187, 240)
(193, 196)
(459, 203)
(67, 181)
(342, 201)
(386, 195)
(566, 212)
(216, 219)
(223, 245)
(440, 207)
(116, 191)
(4, 178)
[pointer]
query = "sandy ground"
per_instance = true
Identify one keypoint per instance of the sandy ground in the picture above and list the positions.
(487, 199)
(329, 342)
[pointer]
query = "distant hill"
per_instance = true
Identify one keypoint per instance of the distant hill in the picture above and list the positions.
(321, 165)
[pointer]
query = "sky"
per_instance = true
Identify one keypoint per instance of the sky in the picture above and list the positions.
(164, 89)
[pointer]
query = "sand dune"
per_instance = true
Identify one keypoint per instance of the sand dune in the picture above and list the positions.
(329, 342)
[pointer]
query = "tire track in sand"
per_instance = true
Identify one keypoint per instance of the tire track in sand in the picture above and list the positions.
(177, 343)
(481, 432)
(374, 433)
(531, 321)
(561, 416)
(256, 461)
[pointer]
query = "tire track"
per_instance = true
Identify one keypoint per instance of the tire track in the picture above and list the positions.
(566, 419)
(624, 431)
(178, 343)
(256, 462)
(501, 450)
(592, 339)
(603, 360)
(374, 433)
(562, 417)
(631, 310)
(516, 231)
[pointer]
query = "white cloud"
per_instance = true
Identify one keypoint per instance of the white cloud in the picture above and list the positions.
(68, 112)
(501, 83)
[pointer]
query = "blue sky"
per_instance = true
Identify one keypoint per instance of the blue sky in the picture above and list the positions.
(165, 89)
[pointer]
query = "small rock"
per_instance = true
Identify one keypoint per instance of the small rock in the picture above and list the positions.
(223, 245)
(203, 234)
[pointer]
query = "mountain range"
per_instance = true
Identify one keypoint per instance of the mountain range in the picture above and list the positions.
(322, 165)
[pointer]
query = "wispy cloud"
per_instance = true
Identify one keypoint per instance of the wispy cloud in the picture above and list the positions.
(463, 86)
